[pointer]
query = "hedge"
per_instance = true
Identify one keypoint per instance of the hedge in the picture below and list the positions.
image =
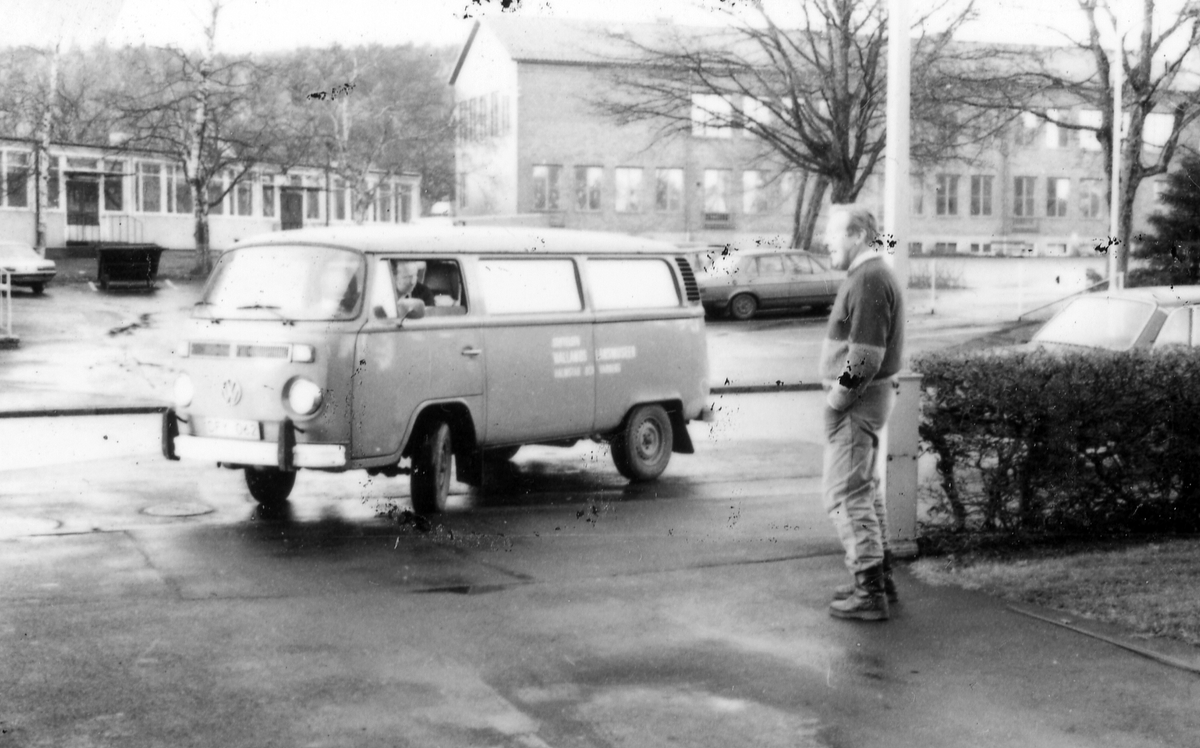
(1039, 443)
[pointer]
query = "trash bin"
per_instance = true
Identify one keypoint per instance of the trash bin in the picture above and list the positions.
(128, 263)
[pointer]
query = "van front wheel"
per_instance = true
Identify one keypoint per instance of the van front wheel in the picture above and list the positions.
(642, 448)
(270, 486)
(432, 467)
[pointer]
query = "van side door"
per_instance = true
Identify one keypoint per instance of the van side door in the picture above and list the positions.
(402, 364)
(537, 342)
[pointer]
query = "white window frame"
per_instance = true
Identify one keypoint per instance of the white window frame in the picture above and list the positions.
(627, 181)
(712, 116)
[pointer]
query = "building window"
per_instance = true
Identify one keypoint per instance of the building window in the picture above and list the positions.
(668, 189)
(587, 187)
(1058, 191)
(1091, 198)
(712, 116)
(628, 198)
(52, 185)
(1023, 196)
(339, 199)
(1157, 129)
(404, 197)
(268, 197)
(716, 193)
(915, 248)
(545, 187)
(981, 195)
(916, 186)
(756, 116)
(1028, 128)
(179, 192)
(114, 185)
(1088, 139)
(243, 203)
(383, 204)
(216, 196)
(754, 199)
(150, 188)
(461, 190)
(16, 179)
(1057, 137)
(947, 194)
(312, 203)
(945, 248)
(981, 249)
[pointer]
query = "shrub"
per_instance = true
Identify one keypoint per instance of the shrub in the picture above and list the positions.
(1035, 443)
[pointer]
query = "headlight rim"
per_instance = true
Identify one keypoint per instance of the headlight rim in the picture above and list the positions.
(317, 398)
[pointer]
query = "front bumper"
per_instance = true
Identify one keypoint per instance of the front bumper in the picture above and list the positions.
(240, 452)
(285, 454)
(29, 279)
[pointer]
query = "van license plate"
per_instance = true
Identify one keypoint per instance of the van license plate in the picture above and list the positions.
(230, 428)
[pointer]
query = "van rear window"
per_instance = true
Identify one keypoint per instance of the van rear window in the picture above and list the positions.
(632, 284)
(530, 286)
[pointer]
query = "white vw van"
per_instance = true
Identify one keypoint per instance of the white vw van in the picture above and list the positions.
(421, 350)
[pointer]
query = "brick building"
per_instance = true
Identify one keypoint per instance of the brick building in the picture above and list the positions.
(533, 147)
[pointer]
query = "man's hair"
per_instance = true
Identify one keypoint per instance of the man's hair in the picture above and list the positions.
(859, 220)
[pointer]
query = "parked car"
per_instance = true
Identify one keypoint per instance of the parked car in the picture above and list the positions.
(741, 282)
(27, 267)
(1120, 320)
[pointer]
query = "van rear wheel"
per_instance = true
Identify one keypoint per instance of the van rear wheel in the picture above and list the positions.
(270, 486)
(431, 470)
(642, 448)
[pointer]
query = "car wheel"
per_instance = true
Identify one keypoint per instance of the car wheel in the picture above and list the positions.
(270, 487)
(743, 307)
(642, 448)
(431, 470)
(38, 289)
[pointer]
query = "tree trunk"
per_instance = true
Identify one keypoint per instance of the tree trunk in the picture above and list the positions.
(798, 212)
(204, 262)
(812, 212)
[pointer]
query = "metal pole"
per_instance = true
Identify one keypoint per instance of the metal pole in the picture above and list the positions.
(900, 438)
(1115, 277)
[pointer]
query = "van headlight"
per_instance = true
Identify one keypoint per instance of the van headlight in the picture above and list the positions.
(184, 391)
(303, 396)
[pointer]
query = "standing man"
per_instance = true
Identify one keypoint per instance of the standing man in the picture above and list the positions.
(861, 356)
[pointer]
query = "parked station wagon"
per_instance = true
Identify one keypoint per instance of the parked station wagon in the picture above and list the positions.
(742, 282)
(423, 350)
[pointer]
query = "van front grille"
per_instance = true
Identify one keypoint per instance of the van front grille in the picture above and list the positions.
(689, 279)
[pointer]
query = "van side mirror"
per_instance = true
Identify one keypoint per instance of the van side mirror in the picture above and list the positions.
(410, 309)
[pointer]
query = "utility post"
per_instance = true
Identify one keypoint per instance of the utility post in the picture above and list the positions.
(901, 442)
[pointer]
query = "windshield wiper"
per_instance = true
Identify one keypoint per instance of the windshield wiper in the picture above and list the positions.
(270, 308)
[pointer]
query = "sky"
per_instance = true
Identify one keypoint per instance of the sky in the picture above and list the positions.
(273, 25)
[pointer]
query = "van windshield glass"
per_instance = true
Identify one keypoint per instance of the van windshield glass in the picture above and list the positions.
(282, 282)
(1101, 322)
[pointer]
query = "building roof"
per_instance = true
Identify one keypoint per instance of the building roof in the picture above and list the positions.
(442, 239)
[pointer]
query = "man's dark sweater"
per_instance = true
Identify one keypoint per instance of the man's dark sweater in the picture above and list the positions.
(865, 338)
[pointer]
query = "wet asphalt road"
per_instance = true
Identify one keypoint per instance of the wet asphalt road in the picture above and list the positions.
(147, 603)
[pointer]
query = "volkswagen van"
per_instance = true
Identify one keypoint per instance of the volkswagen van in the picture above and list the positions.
(315, 349)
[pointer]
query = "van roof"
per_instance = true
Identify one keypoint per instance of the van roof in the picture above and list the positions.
(1165, 296)
(442, 239)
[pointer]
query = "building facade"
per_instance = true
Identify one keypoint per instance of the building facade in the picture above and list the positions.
(116, 196)
(533, 146)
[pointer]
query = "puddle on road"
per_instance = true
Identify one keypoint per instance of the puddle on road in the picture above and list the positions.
(182, 509)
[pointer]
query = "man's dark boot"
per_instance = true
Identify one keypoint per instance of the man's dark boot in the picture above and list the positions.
(868, 602)
(889, 585)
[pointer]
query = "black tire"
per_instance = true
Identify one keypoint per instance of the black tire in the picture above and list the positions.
(743, 306)
(104, 281)
(433, 464)
(38, 289)
(500, 455)
(270, 487)
(642, 448)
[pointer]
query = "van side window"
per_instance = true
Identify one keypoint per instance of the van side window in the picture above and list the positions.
(437, 283)
(530, 286)
(383, 291)
(632, 284)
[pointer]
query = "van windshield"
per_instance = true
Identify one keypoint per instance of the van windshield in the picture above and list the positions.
(285, 282)
(1097, 322)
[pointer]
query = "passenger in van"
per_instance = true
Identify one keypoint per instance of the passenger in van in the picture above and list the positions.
(408, 282)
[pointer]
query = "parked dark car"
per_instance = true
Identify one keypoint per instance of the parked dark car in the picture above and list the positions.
(1149, 317)
(27, 267)
(742, 282)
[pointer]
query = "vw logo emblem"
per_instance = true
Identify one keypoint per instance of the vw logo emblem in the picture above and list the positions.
(231, 391)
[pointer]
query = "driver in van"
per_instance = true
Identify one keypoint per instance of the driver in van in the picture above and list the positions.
(408, 282)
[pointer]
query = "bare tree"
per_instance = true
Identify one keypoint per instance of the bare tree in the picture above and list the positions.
(1048, 82)
(814, 96)
(369, 113)
(213, 114)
